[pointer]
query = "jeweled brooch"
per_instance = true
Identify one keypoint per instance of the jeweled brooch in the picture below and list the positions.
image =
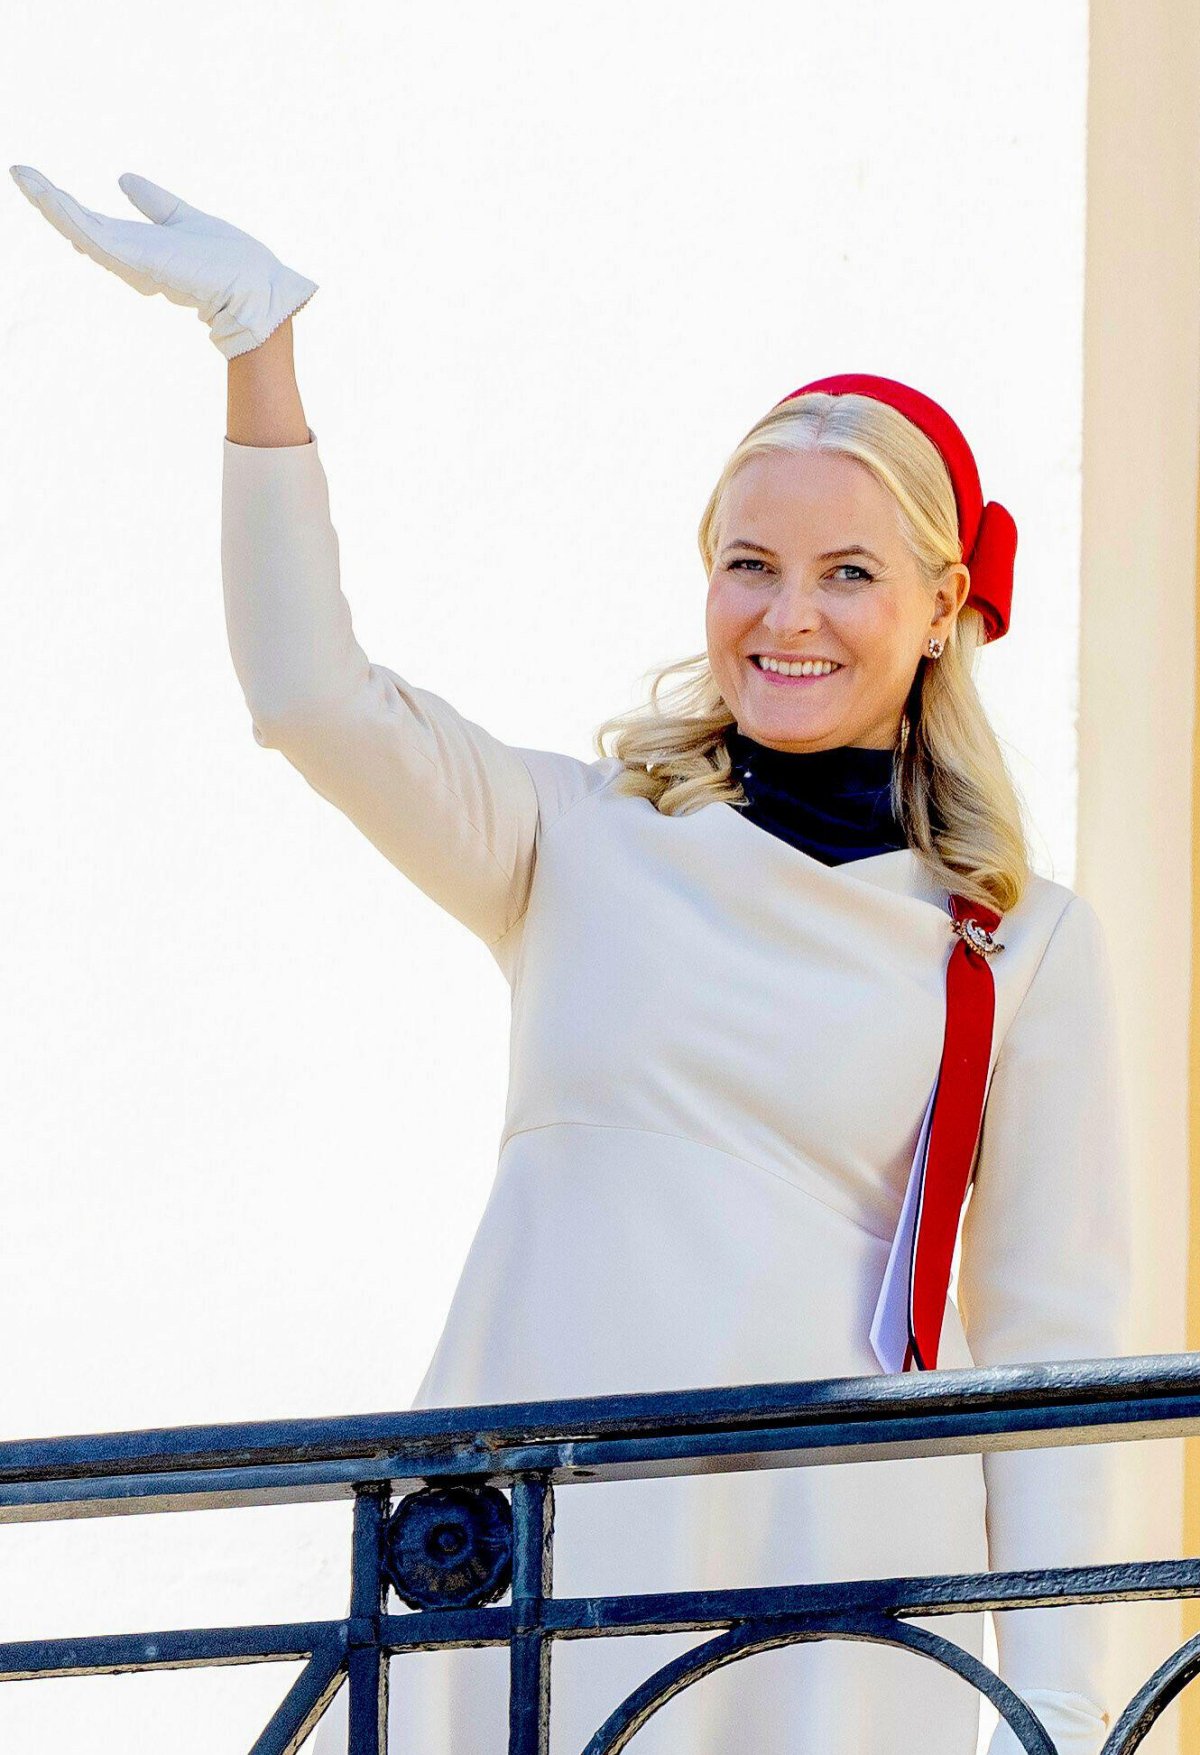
(977, 936)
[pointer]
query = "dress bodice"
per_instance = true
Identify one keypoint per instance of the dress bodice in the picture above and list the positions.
(694, 976)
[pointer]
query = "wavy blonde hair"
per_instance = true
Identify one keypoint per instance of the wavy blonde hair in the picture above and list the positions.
(951, 786)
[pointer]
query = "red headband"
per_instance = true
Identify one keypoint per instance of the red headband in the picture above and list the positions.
(987, 532)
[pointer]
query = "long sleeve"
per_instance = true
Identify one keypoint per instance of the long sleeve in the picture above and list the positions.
(1045, 1274)
(455, 809)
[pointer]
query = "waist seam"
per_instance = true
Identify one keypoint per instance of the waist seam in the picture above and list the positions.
(722, 1151)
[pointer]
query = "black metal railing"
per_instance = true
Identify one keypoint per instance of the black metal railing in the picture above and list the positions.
(454, 1512)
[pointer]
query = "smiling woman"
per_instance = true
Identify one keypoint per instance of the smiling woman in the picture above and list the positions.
(725, 1032)
(726, 1025)
(726, 939)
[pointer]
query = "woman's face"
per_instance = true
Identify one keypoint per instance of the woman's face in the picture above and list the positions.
(810, 563)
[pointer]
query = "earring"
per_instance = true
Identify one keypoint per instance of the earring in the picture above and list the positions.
(936, 648)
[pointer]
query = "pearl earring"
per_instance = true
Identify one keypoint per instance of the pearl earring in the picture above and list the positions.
(936, 648)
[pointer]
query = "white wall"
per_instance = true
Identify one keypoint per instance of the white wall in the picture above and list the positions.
(254, 1079)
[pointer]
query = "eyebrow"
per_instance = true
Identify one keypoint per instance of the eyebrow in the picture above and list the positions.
(830, 554)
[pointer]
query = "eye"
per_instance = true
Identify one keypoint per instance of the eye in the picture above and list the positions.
(846, 566)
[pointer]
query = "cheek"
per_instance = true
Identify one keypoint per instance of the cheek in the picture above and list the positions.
(727, 614)
(878, 630)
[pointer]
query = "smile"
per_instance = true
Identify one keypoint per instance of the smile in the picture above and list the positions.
(783, 679)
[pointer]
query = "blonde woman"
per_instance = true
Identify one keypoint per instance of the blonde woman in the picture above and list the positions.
(727, 941)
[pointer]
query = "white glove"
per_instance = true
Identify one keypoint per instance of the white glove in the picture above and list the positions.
(1074, 1724)
(236, 285)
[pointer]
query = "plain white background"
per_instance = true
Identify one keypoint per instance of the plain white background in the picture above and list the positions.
(252, 1079)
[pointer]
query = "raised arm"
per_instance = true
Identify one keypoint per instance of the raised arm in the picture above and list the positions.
(455, 809)
(450, 805)
(1045, 1274)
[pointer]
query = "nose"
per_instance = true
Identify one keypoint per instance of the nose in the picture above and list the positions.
(793, 608)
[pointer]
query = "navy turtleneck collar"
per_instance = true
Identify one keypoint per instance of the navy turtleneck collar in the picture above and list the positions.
(834, 804)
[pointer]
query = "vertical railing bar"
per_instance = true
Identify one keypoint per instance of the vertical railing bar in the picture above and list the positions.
(303, 1704)
(529, 1645)
(367, 1664)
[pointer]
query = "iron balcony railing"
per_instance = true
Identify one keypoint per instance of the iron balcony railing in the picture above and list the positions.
(454, 1514)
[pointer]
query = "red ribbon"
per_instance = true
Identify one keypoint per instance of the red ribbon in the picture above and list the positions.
(953, 1133)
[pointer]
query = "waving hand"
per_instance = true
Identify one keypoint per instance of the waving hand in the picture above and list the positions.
(234, 283)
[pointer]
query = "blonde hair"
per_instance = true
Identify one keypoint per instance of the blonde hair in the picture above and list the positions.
(951, 787)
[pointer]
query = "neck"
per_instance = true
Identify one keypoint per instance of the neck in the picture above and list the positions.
(834, 803)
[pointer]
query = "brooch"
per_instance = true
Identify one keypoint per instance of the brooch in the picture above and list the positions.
(977, 937)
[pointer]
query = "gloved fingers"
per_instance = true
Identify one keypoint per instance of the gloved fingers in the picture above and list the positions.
(239, 287)
(95, 234)
(154, 201)
(167, 209)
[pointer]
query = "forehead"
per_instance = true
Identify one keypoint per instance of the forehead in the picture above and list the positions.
(807, 497)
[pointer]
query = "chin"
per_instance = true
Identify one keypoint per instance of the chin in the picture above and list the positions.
(802, 743)
(784, 724)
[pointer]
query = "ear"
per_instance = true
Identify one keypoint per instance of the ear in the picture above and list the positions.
(952, 592)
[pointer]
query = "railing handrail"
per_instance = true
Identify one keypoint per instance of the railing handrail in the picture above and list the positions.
(621, 1436)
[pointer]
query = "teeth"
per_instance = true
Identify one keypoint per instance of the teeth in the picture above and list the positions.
(809, 667)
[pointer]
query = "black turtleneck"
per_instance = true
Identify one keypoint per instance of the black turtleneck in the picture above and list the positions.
(834, 804)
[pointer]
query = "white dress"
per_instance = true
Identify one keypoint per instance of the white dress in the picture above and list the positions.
(721, 1053)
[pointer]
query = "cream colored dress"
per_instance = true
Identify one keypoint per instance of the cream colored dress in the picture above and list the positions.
(721, 1054)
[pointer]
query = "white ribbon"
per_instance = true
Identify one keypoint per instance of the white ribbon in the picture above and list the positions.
(889, 1326)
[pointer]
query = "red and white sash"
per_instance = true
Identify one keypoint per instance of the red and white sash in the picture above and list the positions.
(907, 1324)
